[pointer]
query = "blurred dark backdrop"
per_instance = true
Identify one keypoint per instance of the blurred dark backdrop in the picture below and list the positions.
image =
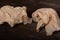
(27, 32)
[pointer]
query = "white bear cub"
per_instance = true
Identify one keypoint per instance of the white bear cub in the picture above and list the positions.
(47, 17)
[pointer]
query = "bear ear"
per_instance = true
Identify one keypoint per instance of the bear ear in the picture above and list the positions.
(24, 7)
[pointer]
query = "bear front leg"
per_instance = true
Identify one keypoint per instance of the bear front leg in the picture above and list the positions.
(39, 25)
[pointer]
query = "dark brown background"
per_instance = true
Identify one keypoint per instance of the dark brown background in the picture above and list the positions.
(27, 32)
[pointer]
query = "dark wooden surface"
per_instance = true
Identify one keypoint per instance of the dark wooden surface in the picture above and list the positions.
(27, 32)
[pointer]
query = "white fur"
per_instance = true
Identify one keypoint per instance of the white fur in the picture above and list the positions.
(14, 15)
(48, 17)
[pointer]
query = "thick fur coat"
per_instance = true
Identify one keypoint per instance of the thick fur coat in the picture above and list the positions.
(47, 17)
(14, 15)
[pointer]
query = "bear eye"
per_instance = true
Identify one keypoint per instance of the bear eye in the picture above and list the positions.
(37, 16)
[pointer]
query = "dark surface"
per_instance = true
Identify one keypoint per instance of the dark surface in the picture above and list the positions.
(27, 32)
